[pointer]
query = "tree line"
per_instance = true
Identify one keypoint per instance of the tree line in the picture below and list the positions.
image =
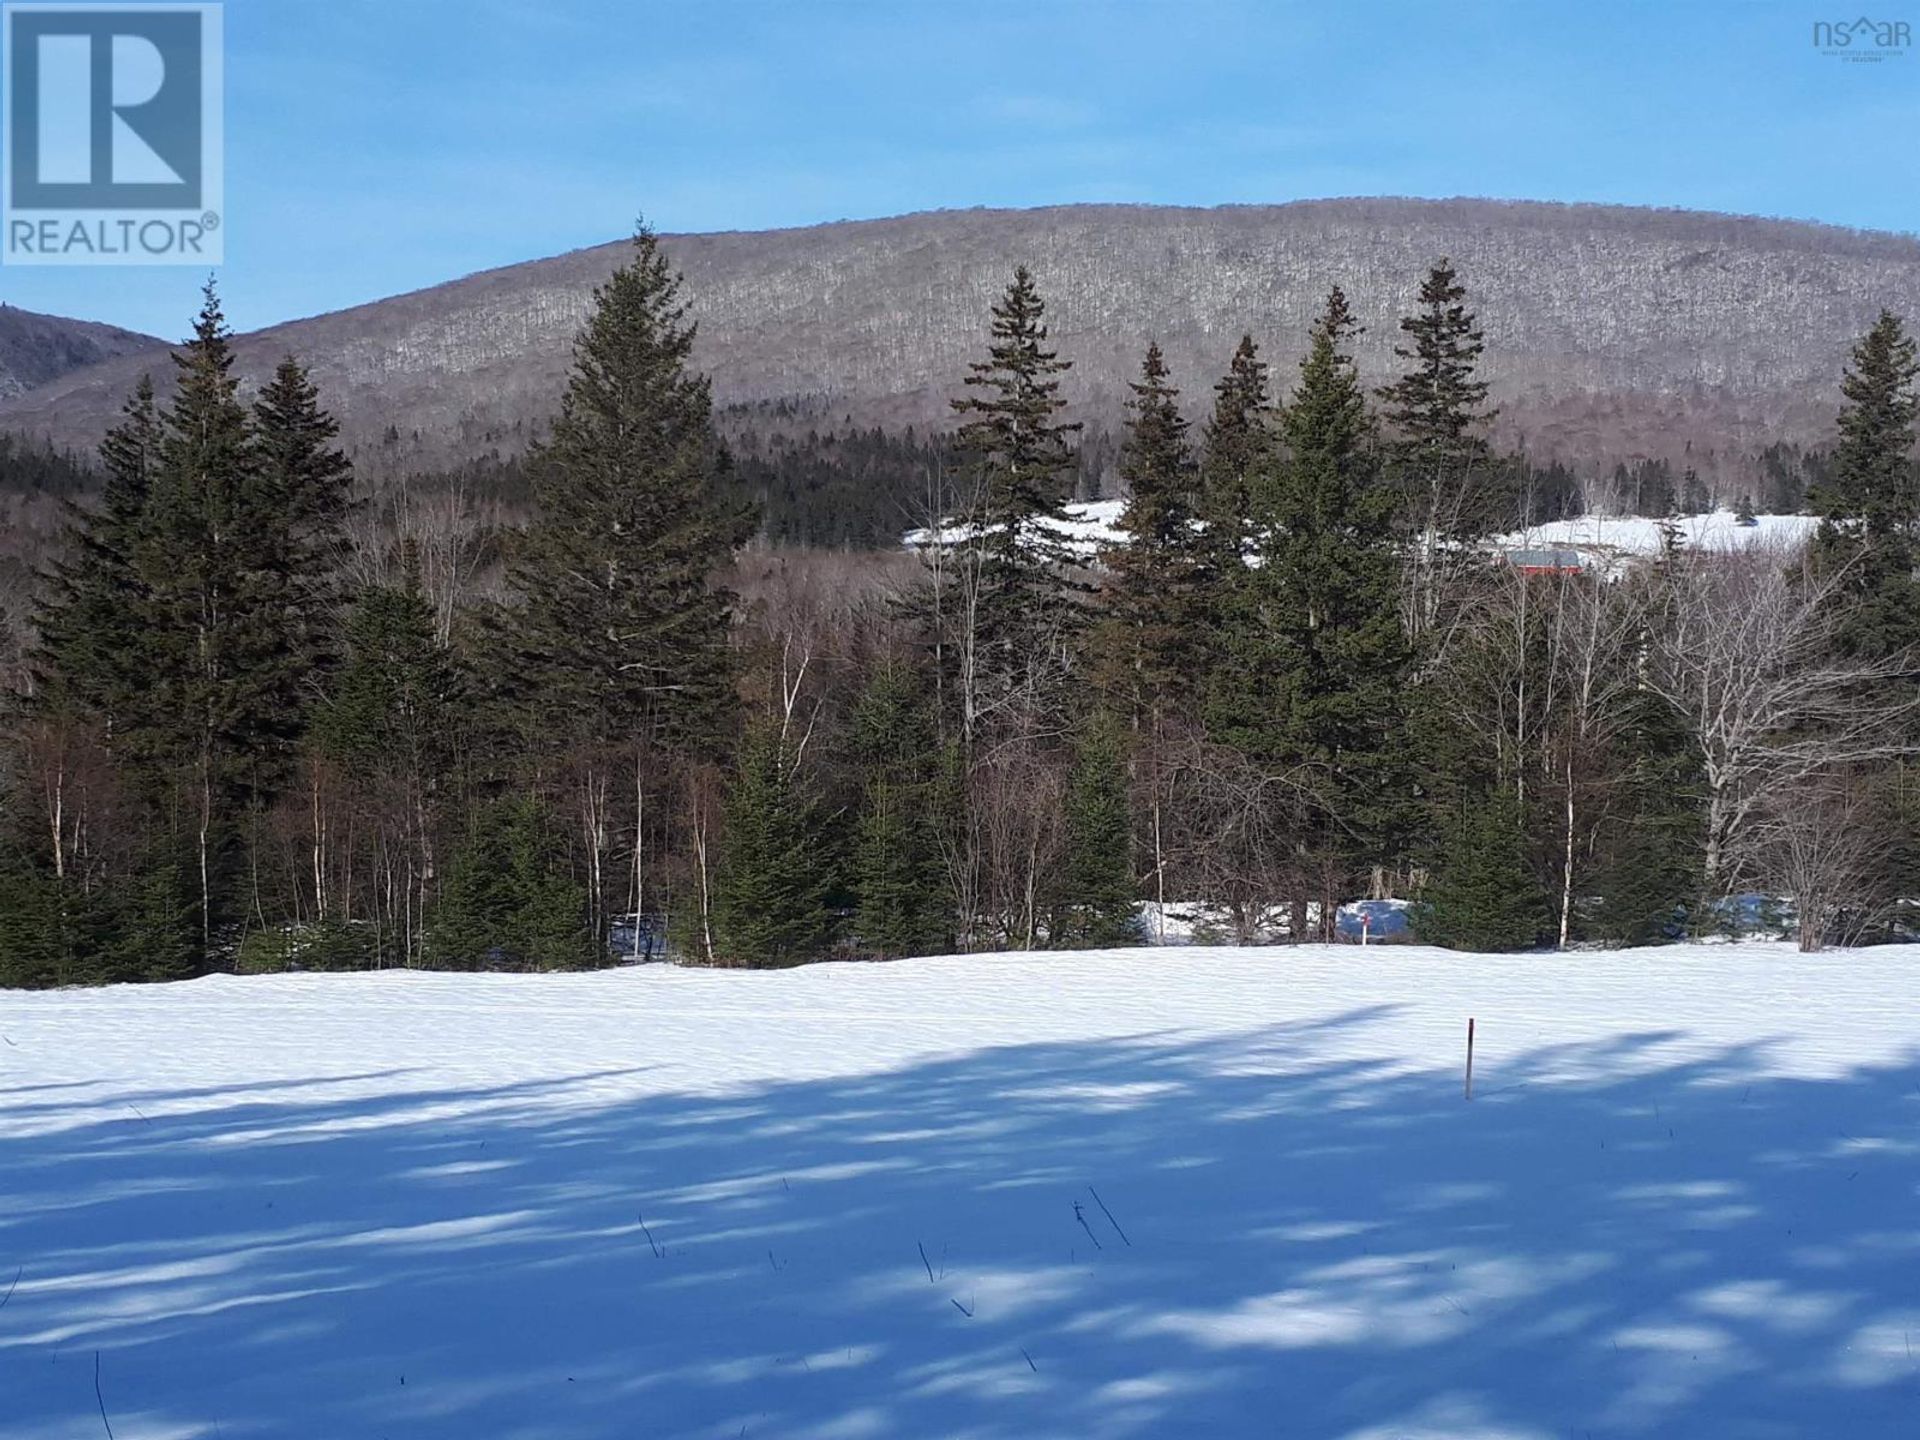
(1300, 677)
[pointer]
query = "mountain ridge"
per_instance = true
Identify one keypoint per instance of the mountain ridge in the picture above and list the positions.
(1613, 332)
(36, 349)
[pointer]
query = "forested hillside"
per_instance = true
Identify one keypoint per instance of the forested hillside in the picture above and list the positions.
(1616, 335)
(35, 349)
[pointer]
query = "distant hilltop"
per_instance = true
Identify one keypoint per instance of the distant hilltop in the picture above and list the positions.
(36, 349)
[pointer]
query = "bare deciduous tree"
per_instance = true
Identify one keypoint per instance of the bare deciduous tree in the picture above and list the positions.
(1743, 648)
(1591, 651)
(453, 535)
(1824, 841)
(1236, 833)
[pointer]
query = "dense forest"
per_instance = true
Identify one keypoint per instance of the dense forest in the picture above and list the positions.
(260, 719)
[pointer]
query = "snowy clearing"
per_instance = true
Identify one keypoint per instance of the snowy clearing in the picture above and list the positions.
(1090, 526)
(1720, 532)
(1171, 1193)
(1093, 525)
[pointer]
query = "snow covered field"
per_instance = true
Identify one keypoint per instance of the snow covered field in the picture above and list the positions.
(1720, 532)
(1171, 1193)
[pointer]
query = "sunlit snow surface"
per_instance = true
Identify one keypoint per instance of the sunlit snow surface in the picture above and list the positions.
(1094, 525)
(1187, 1192)
(1719, 532)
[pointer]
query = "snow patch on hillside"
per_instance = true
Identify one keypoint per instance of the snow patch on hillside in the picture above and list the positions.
(1095, 525)
(1090, 526)
(1720, 532)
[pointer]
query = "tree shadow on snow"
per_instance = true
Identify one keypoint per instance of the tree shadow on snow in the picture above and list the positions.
(1137, 1237)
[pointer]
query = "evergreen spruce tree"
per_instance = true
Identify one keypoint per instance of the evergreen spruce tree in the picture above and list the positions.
(210, 731)
(393, 718)
(1485, 895)
(1447, 754)
(1868, 500)
(1094, 898)
(92, 615)
(177, 618)
(1648, 879)
(149, 925)
(1449, 488)
(508, 902)
(622, 668)
(1656, 496)
(94, 625)
(1236, 444)
(899, 879)
(1315, 653)
(622, 634)
(770, 889)
(216, 655)
(1027, 608)
(395, 701)
(140, 923)
(36, 949)
(1437, 411)
(1237, 440)
(1154, 634)
(309, 482)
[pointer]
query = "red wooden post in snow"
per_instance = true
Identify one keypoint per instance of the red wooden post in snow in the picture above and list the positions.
(1469, 1057)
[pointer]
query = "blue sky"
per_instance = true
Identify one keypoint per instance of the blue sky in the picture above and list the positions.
(376, 146)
